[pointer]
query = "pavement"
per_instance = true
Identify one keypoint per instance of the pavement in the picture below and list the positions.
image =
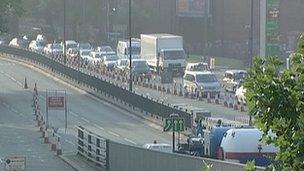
(19, 136)
(80, 163)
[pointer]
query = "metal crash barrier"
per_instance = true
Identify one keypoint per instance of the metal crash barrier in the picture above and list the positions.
(93, 147)
(146, 104)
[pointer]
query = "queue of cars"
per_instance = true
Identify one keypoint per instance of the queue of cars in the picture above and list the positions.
(196, 77)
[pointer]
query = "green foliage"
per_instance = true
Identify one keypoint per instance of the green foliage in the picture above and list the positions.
(277, 103)
(250, 166)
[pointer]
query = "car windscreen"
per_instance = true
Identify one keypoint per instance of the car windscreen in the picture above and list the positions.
(135, 50)
(71, 46)
(240, 76)
(85, 46)
(111, 58)
(179, 54)
(139, 64)
(56, 46)
(206, 78)
(40, 44)
(85, 53)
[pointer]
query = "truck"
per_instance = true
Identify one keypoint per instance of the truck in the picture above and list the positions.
(123, 48)
(163, 52)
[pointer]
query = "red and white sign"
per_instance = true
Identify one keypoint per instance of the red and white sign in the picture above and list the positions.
(56, 102)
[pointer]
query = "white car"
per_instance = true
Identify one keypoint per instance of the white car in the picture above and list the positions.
(200, 66)
(159, 147)
(109, 61)
(232, 79)
(36, 46)
(203, 81)
(240, 95)
(122, 64)
(53, 49)
(105, 50)
(69, 44)
(85, 54)
(96, 56)
(84, 46)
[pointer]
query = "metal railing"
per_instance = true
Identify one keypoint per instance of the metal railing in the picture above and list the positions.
(146, 104)
(93, 147)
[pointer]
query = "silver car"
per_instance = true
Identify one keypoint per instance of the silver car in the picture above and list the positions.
(203, 81)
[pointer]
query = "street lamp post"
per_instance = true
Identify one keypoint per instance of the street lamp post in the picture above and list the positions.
(130, 47)
(64, 32)
(251, 47)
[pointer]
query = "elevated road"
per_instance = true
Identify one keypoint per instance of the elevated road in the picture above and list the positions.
(83, 109)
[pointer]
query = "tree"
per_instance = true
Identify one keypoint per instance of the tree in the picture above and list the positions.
(9, 8)
(276, 100)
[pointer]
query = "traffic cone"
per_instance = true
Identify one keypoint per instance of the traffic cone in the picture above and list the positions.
(242, 107)
(208, 98)
(230, 102)
(225, 100)
(235, 105)
(180, 90)
(25, 83)
(217, 101)
(46, 137)
(58, 150)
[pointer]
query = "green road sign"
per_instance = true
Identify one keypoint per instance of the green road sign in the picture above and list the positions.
(174, 124)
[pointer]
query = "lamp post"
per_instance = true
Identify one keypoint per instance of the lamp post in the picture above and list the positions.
(251, 46)
(130, 48)
(251, 35)
(64, 32)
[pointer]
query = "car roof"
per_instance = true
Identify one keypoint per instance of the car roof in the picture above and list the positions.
(157, 145)
(135, 60)
(70, 41)
(198, 72)
(233, 71)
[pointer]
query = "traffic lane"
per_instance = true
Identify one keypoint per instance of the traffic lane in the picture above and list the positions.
(20, 136)
(130, 127)
(217, 111)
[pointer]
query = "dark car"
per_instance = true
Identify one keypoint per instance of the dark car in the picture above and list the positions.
(140, 68)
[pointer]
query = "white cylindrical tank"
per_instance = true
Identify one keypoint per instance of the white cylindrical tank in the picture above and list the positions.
(240, 143)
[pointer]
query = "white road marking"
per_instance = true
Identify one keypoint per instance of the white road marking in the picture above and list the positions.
(130, 141)
(13, 79)
(6, 74)
(19, 83)
(85, 119)
(98, 126)
(6, 105)
(73, 113)
(42, 97)
(14, 110)
(70, 142)
(113, 133)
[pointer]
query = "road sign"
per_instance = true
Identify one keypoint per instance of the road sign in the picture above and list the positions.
(56, 102)
(15, 163)
(174, 124)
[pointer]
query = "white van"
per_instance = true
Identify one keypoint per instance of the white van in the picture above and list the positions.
(123, 48)
(232, 79)
(70, 44)
(204, 81)
(159, 147)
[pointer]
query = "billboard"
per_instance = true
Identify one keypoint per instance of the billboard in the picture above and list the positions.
(193, 8)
